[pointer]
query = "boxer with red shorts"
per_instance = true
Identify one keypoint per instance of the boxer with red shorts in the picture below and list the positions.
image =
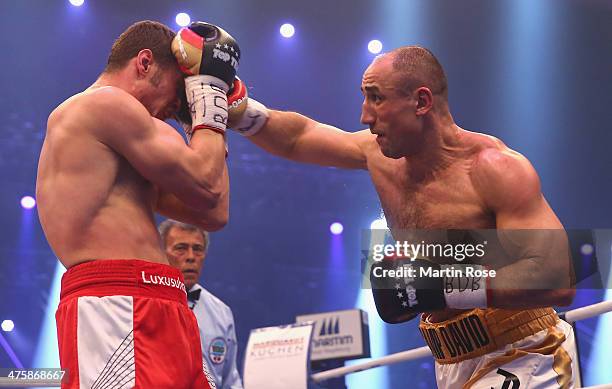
(132, 324)
(107, 164)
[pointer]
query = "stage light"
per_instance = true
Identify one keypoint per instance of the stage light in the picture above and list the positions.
(28, 202)
(375, 46)
(77, 3)
(182, 19)
(587, 249)
(336, 228)
(7, 325)
(379, 224)
(287, 30)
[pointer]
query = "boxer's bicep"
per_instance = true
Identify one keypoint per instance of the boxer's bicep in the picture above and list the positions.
(531, 235)
(510, 189)
(296, 137)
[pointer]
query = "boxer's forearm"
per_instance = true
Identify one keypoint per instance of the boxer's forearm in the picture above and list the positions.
(299, 138)
(211, 219)
(537, 270)
(209, 169)
(280, 134)
(530, 283)
(526, 299)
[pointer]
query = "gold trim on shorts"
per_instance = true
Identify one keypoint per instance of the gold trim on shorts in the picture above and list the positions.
(480, 331)
(552, 344)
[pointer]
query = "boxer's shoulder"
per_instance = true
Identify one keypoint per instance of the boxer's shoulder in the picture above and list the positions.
(96, 106)
(110, 102)
(503, 176)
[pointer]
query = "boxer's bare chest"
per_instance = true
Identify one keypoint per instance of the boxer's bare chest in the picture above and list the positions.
(445, 200)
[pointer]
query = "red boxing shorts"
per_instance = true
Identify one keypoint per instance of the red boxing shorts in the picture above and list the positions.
(126, 324)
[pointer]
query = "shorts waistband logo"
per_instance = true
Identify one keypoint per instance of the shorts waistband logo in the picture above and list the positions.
(163, 281)
(457, 338)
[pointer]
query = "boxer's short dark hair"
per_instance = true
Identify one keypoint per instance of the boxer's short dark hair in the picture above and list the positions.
(146, 34)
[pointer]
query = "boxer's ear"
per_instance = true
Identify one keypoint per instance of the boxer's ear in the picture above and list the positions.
(424, 99)
(144, 59)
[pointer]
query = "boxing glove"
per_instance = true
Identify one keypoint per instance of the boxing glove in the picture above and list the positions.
(402, 288)
(245, 115)
(210, 56)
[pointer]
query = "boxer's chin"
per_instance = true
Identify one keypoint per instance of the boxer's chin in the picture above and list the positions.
(389, 153)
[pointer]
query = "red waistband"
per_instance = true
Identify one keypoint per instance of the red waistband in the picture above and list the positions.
(126, 277)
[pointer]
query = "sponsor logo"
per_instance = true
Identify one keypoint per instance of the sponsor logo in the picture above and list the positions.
(224, 56)
(281, 348)
(329, 334)
(163, 281)
(330, 327)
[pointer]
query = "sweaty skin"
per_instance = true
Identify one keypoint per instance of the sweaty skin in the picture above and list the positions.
(107, 164)
(431, 174)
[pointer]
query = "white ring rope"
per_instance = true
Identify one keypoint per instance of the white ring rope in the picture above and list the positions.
(408, 355)
(588, 311)
(422, 352)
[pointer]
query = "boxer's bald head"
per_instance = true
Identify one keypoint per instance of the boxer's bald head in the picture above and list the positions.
(405, 100)
(415, 67)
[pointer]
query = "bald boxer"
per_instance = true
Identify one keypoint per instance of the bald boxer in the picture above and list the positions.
(432, 174)
(107, 164)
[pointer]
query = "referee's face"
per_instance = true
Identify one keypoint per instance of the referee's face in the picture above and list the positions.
(185, 250)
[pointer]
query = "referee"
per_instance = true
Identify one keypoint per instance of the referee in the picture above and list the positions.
(186, 247)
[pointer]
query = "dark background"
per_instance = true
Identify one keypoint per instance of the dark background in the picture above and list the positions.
(536, 74)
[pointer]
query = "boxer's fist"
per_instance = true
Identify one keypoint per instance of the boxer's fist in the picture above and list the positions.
(203, 48)
(237, 98)
(401, 293)
(245, 115)
(404, 287)
(209, 55)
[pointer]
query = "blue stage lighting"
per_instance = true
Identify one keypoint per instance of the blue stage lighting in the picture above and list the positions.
(336, 228)
(8, 325)
(287, 30)
(375, 46)
(182, 19)
(28, 202)
(77, 3)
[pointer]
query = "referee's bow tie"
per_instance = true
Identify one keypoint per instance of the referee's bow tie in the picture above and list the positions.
(194, 295)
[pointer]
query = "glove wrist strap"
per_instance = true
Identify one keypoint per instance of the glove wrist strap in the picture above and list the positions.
(207, 104)
(254, 118)
(466, 288)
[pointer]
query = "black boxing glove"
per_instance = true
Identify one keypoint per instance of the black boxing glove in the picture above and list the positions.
(210, 56)
(402, 288)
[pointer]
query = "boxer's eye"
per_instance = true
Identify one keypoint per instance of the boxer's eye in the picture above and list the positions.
(376, 98)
